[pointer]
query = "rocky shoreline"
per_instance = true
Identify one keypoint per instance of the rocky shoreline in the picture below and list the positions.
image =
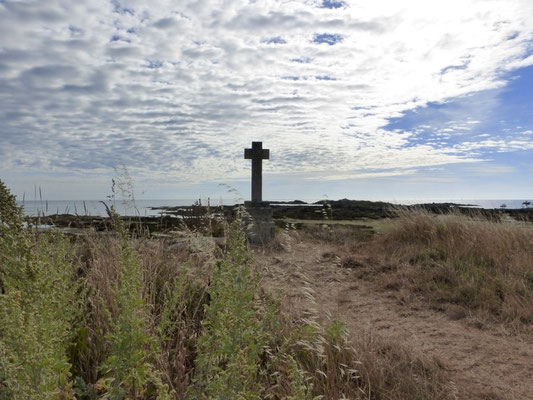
(203, 218)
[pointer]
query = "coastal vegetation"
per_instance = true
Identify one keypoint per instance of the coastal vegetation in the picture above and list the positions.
(120, 315)
(466, 266)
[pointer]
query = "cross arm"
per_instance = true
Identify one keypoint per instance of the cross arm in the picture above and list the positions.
(249, 154)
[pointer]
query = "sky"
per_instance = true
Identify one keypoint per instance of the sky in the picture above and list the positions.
(379, 100)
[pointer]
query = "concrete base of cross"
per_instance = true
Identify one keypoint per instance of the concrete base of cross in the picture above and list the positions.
(258, 223)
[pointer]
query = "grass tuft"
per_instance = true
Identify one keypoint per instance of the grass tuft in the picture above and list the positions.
(39, 308)
(112, 316)
(459, 262)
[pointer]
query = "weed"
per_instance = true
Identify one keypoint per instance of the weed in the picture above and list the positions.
(39, 308)
(233, 340)
(113, 317)
(128, 371)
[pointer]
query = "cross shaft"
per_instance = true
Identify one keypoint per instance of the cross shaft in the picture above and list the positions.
(257, 154)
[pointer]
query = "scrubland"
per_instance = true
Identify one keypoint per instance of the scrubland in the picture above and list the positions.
(118, 316)
(450, 290)
(466, 266)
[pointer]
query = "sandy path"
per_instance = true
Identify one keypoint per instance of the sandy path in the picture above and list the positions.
(483, 364)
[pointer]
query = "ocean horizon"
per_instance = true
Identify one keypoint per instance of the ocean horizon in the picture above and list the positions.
(146, 207)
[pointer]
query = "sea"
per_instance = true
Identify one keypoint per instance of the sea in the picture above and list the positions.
(151, 207)
(143, 208)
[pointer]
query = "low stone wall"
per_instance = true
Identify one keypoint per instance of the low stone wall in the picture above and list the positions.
(258, 223)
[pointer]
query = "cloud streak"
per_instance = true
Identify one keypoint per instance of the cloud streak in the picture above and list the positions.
(176, 90)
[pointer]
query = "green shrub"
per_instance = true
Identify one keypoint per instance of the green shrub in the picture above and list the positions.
(179, 322)
(233, 338)
(38, 308)
(142, 322)
(129, 369)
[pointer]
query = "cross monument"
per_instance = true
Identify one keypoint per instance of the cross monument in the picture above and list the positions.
(257, 154)
(257, 221)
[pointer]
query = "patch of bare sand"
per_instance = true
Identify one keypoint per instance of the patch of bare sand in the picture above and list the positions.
(483, 364)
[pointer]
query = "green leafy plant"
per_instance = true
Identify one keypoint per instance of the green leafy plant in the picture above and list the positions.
(233, 339)
(38, 308)
(129, 371)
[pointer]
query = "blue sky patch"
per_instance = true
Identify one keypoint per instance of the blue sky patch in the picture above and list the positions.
(118, 38)
(301, 60)
(454, 67)
(502, 114)
(325, 78)
(274, 40)
(332, 4)
(291, 77)
(154, 64)
(75, 31)
(327, 38)
(117, 8)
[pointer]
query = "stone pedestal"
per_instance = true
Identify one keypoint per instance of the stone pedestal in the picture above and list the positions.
(258, 222)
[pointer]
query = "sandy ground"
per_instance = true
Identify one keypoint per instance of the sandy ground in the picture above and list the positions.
(482, 363)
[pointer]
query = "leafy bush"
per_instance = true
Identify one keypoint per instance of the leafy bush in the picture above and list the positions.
(234, 338)
(39, 308)
(129, 370)
(111, 317)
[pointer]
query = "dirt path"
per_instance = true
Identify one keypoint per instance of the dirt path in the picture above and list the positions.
(483, 364)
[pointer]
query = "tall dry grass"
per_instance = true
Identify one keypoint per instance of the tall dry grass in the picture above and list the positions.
(365, 367)
(467, 264)
(173, 301)
(116, 317)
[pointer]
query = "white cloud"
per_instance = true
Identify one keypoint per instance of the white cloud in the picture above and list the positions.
(339, 176)
(177, 89)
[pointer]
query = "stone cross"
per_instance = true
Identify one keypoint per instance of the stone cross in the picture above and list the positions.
(257, 154)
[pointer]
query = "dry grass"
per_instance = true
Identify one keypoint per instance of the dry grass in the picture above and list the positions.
(304, 358)
(150, 323)
(345, 236)
(165, 273)
(391, 371)
(466, 266)
(360, 365)
(385, 288)
(342, 364)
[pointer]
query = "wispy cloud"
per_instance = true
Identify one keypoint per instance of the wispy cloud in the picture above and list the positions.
(176, 90)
